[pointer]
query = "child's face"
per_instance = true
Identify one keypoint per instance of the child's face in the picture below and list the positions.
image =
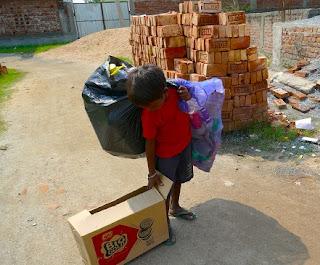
(157, 104)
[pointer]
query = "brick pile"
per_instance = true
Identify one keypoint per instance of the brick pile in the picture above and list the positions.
(201, 42)
(3, 70)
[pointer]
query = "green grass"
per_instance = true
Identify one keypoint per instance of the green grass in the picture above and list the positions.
(6, 81)
(30, 48)
(266, 133)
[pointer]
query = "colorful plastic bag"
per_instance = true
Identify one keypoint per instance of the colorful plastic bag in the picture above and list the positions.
(204, 108)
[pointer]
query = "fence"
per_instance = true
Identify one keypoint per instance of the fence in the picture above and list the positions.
(93, 17)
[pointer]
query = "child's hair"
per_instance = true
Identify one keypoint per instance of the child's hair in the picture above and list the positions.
(145, 84)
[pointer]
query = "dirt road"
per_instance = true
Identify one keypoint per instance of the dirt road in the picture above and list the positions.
(250, 210)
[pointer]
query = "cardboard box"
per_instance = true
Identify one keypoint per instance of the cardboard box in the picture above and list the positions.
(124, 229)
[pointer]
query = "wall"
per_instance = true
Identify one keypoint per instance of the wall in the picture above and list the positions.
(21, 17)
(296, 40)
(261, 26)
(154, 7)
(159, 6)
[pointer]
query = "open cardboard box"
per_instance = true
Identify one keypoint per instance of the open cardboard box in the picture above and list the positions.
(122, 230)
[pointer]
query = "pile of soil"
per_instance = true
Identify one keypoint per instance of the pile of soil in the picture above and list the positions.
(94, 48)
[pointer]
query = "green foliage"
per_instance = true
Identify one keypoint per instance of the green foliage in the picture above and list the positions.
(6, 81)
(30, 48)
(266, 133)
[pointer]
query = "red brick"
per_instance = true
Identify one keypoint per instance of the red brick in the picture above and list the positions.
(233, 18)
(240, 43)
(217, 45)
(213, 6)
(205, 19)
(206, 32)
(257, 65)
(280, 93)
(172, 42)
(197, 78)
(215, 70)
(178, 52)
(280, 103)
(169, 31)
(183, 66)
(237, 67)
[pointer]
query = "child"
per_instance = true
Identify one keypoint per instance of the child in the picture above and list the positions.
(167, 132)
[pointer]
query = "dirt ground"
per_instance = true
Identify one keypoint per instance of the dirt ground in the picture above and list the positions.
(251, 210)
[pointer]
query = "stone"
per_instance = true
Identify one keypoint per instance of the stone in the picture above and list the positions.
(4, 147)
(301, 84)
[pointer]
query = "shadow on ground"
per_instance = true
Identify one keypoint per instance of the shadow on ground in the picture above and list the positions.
(229, 233)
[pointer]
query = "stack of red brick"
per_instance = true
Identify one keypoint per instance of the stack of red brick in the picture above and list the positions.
(201, 42)
(3, 70)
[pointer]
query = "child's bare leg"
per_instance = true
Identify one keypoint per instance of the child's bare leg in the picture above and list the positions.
(175, 209)
(175, 195)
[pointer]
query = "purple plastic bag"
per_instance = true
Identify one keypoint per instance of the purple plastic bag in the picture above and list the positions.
(205, 108)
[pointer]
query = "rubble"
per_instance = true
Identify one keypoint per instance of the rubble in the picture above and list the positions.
(301, 84)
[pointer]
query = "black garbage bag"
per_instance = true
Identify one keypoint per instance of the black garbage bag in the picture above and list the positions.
(116, 121)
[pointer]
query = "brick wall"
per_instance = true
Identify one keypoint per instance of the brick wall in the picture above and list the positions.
(300, 41)
(20, 17)
(261, 26)
(159, 6)
(155, 7)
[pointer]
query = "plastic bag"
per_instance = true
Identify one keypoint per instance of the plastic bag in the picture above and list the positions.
(116, 121)
(204, 108)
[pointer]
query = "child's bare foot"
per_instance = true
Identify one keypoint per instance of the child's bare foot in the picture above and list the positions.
(183, 214)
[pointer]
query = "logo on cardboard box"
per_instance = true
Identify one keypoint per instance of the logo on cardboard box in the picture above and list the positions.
(114, 245)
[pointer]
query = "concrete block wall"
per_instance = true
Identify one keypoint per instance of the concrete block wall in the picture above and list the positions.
(21, 17)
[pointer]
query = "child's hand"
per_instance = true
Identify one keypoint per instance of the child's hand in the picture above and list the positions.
(154, 181)
(184, 93)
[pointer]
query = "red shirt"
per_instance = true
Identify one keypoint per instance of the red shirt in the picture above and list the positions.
(169, 126)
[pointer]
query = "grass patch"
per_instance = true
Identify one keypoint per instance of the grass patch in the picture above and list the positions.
(30, 48)
(6, 81)
(268, 134)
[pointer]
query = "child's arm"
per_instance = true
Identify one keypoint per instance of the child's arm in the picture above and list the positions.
(153, 177)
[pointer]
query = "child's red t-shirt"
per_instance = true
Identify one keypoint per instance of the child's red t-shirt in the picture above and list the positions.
(169, 126)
